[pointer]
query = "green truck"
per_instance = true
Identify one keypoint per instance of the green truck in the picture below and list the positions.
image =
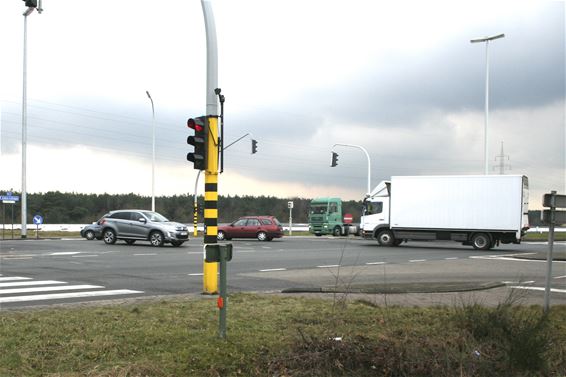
(326, 217)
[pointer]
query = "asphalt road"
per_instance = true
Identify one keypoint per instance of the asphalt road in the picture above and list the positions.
(45, 272)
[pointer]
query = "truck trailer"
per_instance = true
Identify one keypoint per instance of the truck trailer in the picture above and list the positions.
(478, 210)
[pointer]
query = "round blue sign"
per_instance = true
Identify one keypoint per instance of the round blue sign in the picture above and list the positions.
(38, 220)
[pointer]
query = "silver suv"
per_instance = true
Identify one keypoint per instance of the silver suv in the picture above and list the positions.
(131, 225)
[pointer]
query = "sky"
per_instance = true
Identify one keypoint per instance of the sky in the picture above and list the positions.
(400, 79)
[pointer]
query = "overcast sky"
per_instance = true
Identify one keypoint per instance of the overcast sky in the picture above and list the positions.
(398, 78)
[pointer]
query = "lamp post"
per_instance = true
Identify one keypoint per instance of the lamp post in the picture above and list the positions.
(486, 40)
(152, 153)
(367, 156)
(31, 6)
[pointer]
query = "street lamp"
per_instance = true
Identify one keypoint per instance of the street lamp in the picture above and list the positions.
(152, 153)
(486, 40)
(31, 6)
(367, 156)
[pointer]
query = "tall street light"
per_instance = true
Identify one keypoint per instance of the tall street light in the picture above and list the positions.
(31, 4)
(486, 40)
(152, 153)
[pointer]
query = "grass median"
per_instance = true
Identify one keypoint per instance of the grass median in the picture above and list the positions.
(282, 336)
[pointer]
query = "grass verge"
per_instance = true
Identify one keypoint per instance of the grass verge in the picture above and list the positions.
(281, 336)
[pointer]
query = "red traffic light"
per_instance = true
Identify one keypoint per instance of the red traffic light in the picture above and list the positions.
(196, 125)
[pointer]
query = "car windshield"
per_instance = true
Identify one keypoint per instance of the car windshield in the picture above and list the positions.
(155, 217)
(318, 209)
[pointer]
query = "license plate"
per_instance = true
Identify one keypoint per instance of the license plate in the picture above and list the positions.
(184, 233)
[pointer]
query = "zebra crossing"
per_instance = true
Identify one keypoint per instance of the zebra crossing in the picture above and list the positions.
(21, 289)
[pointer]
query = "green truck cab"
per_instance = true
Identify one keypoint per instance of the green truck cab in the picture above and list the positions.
(325, 216)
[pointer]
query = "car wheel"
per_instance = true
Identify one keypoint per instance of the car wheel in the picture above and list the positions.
(89, 235)
(109, 237)
(336, 232)
(156, 238)
(177, 243)
(262, 236)
(481, 241)
(221, 236)
(385, 238)
(130, 242)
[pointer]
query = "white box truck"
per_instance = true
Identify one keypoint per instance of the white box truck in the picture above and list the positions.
(477, 210)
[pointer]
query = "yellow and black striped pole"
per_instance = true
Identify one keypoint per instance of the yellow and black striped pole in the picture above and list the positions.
(210, 273)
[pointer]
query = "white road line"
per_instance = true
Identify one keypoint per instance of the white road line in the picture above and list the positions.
(138, 255)
(555, 290)
(560, 277)
(451, 258)
(14, 258)
(416, 260)
(49, 289)
(197, 274)
(7, 278)
(519, 282)
(329, 266)
(273, 269)
(85, 256)
(29, 283)
(65, 253)
(57, 296)
(374, 263)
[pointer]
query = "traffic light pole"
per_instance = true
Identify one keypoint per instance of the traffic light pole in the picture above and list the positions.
(210, 270)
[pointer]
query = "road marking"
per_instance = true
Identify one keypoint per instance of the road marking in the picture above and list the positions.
(555, 290)
(48, 289)
(329, 266)
(28, 283)
(57, 296)
(14, 278)
(65, 253)
(560, 277)
(145, 254)
(85, 256)
(416, 260)
(374, 263)
(451, 258)
(495, 257)
(273, 269)
(7, 257)
(519, 282)
(198, 274)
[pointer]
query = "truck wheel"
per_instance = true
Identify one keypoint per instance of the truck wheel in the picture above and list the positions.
(385, 238)
(337, 231)
(481, 241)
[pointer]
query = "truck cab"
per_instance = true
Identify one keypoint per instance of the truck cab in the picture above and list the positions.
(375, 214)
(325, 216)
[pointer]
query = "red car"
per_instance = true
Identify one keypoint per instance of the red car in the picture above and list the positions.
(264, 228)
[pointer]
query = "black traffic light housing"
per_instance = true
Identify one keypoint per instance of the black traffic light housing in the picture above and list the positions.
(254, 146)
(334, 159)
(199, 141)
(31, 3)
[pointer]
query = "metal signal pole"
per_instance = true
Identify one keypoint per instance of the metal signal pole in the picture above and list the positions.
(210, 270)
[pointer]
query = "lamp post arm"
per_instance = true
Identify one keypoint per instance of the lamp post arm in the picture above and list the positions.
(367, 156)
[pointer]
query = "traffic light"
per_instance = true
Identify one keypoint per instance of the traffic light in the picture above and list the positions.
(334, 159)
(31, 3)
(199, 141)
(254, 146)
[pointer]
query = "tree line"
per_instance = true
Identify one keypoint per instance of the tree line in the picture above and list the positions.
(74, 208)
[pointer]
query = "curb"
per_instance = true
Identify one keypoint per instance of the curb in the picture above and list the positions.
(400, 288)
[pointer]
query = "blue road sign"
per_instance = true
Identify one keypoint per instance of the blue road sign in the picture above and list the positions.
(13, 198)
(38, 220)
